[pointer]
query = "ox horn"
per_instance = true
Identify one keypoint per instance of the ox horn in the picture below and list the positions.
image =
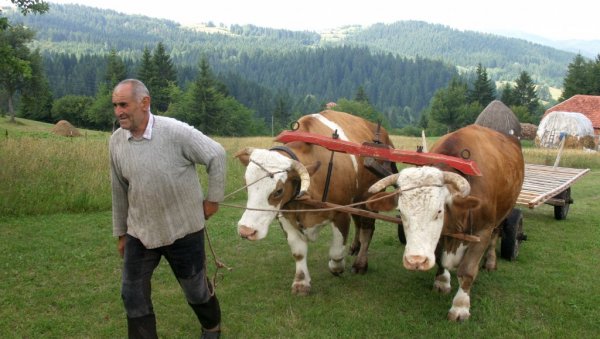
(460, 183)
(246, 151)
(383, 183)
(303, 174)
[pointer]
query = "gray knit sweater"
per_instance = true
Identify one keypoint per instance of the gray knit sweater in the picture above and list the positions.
(156, 193)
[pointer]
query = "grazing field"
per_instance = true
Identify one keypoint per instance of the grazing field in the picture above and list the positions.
(60, 271)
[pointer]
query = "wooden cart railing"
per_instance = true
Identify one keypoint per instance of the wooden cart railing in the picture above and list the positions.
(550, 185)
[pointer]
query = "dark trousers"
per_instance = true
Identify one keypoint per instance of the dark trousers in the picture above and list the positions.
(186, 257)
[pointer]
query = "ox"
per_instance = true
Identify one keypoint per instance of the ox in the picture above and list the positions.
(436, 203)
(275, 181)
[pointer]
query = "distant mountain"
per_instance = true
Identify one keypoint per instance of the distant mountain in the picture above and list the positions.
(84, 30)
(399, 66)
(587, 48)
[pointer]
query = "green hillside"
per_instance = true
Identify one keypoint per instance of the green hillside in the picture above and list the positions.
(400, 66)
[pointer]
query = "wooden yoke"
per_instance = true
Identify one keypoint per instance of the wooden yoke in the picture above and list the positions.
(467, 167)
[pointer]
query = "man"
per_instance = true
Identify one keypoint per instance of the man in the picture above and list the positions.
(158, 206)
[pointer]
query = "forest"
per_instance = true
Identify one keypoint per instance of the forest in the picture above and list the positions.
(275, 75)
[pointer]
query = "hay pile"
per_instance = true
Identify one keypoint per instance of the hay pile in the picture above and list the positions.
(528, 131)
(496, 115)
(65, 129)
(576, 127)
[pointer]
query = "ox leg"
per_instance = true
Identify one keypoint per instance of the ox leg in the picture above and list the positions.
(442, 281)
(365, 228)
(337, 249)
(461, 304)
(490, 256)
(466, 273)
(299, 248)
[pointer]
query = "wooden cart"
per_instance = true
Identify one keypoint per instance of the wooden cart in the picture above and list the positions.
(542, 185)
(550, 185)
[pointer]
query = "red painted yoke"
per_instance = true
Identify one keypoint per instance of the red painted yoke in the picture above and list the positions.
(468, 167)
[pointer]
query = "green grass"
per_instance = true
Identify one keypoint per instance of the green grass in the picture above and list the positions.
(60, 272)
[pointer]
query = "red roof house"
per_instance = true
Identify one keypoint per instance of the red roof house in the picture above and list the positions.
(588, 105)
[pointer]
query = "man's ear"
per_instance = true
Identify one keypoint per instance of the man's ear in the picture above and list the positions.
(146, 103)
(383, 201)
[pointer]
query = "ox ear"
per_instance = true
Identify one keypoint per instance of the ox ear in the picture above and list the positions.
(466, 203)
(457, 184)
(383, 201)
(244, 155)
(312, 168)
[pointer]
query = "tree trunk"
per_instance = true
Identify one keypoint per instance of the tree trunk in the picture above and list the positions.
(11, 110)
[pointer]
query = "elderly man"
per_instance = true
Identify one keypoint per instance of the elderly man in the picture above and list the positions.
(159, 208)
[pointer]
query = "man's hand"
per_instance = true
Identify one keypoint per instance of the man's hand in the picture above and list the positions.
(210, 208)
(121, 245)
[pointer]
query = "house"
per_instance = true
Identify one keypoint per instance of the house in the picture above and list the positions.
(588, 105)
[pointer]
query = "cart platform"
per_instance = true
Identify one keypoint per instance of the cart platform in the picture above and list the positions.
(543, 184)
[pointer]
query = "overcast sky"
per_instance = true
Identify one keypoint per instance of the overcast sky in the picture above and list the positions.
(573, 19)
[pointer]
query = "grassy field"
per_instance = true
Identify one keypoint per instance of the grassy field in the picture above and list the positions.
(60, 272)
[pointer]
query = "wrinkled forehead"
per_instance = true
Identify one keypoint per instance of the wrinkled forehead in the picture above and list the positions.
(271, 161)
(420, 176)
(421, 188)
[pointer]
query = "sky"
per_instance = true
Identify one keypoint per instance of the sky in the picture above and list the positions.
(573, 19)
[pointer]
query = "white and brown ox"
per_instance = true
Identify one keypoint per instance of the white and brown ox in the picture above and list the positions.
(436, 202)
(275, 180)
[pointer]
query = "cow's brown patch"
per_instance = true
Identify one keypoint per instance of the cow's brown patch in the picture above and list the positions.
(298, 257)
(300, 276)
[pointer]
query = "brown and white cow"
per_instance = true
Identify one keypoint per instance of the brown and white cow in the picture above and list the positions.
(275, 180)
(437, 202)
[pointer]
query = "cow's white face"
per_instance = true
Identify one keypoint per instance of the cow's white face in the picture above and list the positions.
(421, 205)
(264, 192)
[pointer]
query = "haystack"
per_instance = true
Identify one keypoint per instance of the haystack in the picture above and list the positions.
(499, 117)
(65, 129)
(528, 131)
(576, 127)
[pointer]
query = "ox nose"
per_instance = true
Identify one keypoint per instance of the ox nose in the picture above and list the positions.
(247, 232)
(416, 262)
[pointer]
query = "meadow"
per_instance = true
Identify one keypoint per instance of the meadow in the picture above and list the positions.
(60, 272)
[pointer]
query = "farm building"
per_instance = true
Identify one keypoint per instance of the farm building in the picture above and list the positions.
(588, 105)
(496, 115)
(576, 127)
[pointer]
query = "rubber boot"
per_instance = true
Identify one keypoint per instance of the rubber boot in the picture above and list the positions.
(142, 327)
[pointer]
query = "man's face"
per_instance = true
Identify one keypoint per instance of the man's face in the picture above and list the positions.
(130, 112)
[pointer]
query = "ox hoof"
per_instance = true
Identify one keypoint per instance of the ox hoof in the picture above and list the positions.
(458, 314)
(337, 267)
(442, 288)
(490, 267)
(300, 289)
(360, 269)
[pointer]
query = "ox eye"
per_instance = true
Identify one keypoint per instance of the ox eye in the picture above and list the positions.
(278, 193)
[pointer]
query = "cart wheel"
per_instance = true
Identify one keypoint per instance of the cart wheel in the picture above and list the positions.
(401, 235)
(560, 212)
(512, 235)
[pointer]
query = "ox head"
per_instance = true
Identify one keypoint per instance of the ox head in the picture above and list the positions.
(425, 193)
(272, 180)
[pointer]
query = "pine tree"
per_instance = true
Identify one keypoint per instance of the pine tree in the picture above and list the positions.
(115, 70)
(204, 112)
(146, 70)
(525, 93)
(361, 95)
(483, 91)
(577, 79)
(165, 75)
